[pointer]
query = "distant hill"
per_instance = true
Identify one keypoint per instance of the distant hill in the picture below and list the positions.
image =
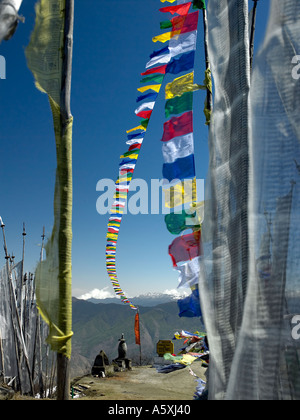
(150, 299)
(99, 326)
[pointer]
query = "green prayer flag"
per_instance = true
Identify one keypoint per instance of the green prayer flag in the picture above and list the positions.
(153, 78)
(145, 123)
(179, 104)
(199, 4)
(176, 223)
(166, 24)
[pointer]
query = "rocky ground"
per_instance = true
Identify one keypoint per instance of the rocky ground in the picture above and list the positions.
(141, 383)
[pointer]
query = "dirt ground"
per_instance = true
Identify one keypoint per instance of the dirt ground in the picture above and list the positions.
(141, 383)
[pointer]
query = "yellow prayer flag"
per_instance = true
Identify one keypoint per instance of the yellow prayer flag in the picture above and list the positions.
(156, 88)
(139, 127)
(132, 156)
(181, 193)
(112, 235)
(165, 37)
(181, 85)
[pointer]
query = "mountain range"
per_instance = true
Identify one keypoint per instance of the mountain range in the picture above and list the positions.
(98, 326)
(148, 299)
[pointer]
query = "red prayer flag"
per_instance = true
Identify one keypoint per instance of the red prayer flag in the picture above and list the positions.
(186, 23)
(134, 146)
(144, 114)
(137, 329)
(159, 69)
(181, 9)
(178, 126)
(185, 247)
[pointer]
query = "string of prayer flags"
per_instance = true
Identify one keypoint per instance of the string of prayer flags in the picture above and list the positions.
(177, 140)
(178, 149)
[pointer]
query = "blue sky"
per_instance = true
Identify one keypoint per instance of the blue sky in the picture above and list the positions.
(112, 43)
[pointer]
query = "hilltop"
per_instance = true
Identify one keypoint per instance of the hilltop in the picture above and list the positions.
(99, 326)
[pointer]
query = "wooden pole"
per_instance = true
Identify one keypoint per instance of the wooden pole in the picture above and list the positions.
(207, 62)
(253, 33)
(63, 369)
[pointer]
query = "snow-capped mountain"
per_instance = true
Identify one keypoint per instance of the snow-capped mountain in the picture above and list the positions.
(147, 299)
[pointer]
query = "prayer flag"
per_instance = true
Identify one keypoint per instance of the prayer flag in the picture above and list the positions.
(147, 96)
(190, 306)
(189, 273)
(184, 63)
(156, 88)
(178, 45)
(160, 59)
(154, 78)
(185, 247)
(199, 4)
(178, 126)
(161, 51)
(165, 37)
(159, 69)
(182, 168)
(183, 43)
(178, 222)
(181, 85)
(181, 193)
(181, 9)
(166, 24)
(178, 147)
(145, 105)
(179, 104)
(186, 23)
(144, 114)
(139, 127)
(137, 329)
